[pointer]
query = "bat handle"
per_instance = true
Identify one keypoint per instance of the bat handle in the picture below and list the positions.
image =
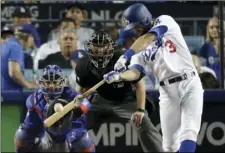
(87, 93)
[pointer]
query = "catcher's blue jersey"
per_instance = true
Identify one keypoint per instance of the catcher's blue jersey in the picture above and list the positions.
(37, 110)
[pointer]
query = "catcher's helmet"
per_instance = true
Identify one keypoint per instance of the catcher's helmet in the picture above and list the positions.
(136, 14)
(100, 48)
(52, 81)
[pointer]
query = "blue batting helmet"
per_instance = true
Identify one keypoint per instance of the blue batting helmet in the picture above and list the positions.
(52, 81)
(136, 14)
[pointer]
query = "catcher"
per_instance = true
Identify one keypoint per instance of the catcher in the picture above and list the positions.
(66, 135)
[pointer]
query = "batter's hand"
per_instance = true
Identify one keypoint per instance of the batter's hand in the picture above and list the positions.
(112, 76)
(120, 65)
(137, 117)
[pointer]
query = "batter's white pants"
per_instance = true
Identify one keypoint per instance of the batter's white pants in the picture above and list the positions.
(181, 106)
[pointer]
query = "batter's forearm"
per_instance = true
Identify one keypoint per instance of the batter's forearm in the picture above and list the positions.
(140, 94)
(130, 75)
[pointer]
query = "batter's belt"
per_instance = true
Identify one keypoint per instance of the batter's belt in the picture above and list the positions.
(177, 79)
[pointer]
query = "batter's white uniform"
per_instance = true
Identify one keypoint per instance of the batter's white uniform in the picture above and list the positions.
(181, 102)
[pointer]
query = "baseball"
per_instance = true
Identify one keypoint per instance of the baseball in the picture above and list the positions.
(58, 107)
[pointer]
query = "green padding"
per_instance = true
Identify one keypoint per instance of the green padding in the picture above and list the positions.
(9, 123)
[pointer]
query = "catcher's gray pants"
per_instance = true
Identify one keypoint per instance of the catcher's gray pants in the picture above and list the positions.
(101, 109)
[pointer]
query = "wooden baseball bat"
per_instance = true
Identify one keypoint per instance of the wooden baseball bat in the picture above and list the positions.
(67, 108)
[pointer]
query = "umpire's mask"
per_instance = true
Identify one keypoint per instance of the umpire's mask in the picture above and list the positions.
(100, 48)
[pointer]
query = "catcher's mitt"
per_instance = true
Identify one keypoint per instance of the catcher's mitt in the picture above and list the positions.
(64, 123)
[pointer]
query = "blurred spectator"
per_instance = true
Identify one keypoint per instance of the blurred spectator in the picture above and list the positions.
(209, 81)
(68, 56)
(12, 63)
(6, 33)
(29, 52)
(68, 47)
(200, 68)
(210, 50)
(79, 14)
(52, 46)
(62, 24)
(22, 16)
(113, 32)
(19, 16)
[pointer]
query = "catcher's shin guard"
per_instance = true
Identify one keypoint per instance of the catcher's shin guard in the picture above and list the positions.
(25, 141)
(80, 141)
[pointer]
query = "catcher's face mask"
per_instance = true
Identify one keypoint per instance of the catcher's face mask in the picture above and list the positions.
(100, 49)
(52, 82)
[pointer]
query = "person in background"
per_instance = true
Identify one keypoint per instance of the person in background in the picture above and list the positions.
(37, 40)
(79, 14)
(22, 16)
(68, 47)
(19, 16)
(31, 51)
(12, 63)
(209, 81)
(52, 47)
(68, 55)
(6, 33)
(210, 50)
(63, 23)
(200, 68)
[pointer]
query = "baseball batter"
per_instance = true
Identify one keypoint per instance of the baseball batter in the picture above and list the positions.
(162, 49)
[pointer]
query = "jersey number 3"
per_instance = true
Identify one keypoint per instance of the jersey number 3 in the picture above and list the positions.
(169, 44)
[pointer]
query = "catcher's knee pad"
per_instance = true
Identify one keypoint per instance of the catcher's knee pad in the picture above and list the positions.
(80, 141)
(188, 135)
(25, 141)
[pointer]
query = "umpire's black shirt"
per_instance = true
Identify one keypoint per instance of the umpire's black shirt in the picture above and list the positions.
(88, 76)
